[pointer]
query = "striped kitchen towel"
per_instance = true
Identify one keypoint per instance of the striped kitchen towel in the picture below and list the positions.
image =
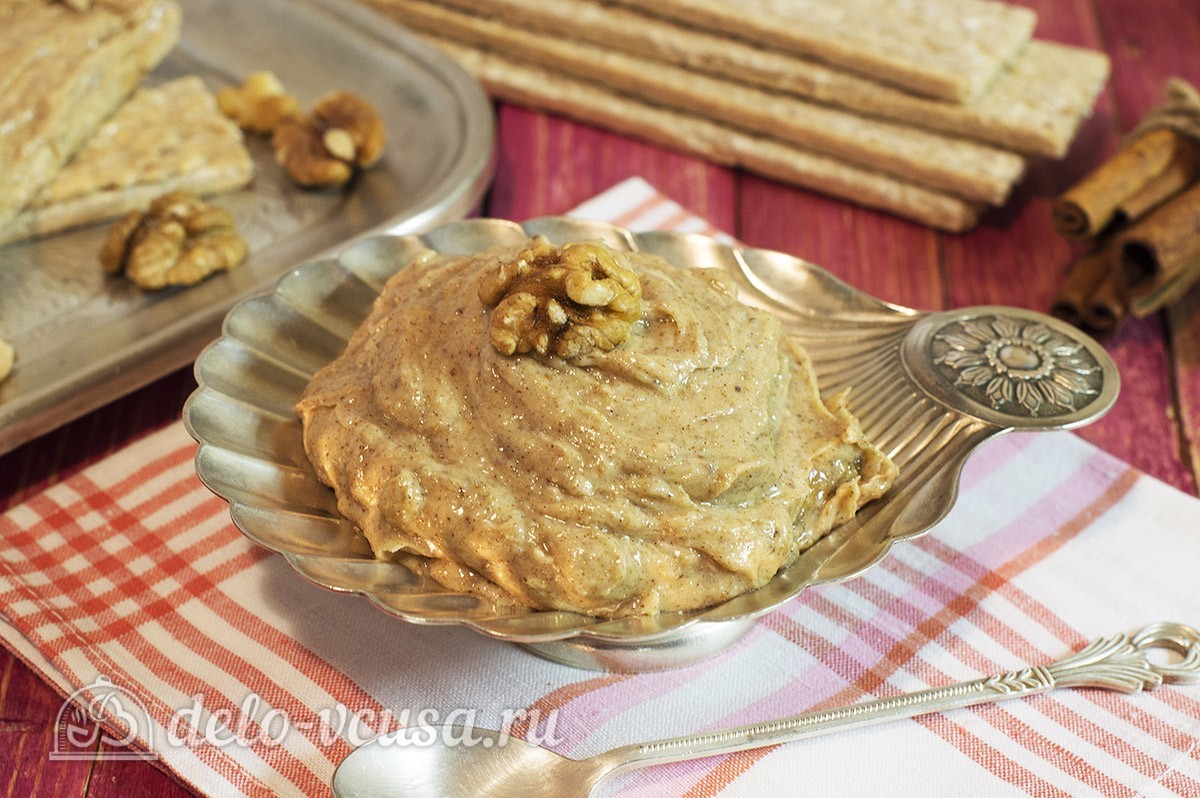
(127, 586)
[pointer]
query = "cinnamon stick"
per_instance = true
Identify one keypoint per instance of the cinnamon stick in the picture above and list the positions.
(1160, 255)
(1180, 173)
(1089, 206)
(1084, 276)
(1108, 304)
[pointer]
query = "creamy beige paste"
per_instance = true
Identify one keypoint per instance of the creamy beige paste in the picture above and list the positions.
(680, 469)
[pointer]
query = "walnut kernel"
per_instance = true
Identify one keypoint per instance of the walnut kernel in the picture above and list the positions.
(178, 240)
(353, 124)
(259, 104)
(344, 133)
(567, 302)
(300, 150)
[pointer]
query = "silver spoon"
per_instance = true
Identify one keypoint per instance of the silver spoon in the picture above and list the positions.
(453, 761)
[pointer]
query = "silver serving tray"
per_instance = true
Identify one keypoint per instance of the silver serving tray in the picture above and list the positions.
(83, 339)
(928, 388)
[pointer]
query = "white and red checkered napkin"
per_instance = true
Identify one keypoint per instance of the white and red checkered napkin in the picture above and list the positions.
(243, 678)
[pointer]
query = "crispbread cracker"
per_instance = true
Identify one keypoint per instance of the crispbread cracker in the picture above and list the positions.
(61, 73)
(1035, 105)
(164, 138)
(537, 87)
(967, 169)
(947, 49)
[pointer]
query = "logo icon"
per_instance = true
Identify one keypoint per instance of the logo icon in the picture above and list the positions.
(102, 714)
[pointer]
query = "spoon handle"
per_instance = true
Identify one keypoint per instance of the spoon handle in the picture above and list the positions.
(1114, 663)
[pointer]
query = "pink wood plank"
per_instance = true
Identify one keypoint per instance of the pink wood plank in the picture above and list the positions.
(1146, 49)
(547, 165)
(886, 257)
(125, 778)
(1148, 42)
(28, 707)
(1184, 323)
(27, 771)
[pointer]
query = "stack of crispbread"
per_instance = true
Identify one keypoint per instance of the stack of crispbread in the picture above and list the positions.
(927, 109)
(75, 147)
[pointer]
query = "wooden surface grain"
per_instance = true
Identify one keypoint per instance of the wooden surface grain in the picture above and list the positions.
(546, 165)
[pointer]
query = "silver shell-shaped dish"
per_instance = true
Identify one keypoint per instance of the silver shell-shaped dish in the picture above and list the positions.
(927, 387)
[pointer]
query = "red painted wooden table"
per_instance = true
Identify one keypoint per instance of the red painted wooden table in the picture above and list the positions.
(548, 165)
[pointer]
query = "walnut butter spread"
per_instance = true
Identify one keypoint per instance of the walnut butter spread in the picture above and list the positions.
(583, 429)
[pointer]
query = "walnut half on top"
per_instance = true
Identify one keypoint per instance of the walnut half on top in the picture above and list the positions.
(567, 302)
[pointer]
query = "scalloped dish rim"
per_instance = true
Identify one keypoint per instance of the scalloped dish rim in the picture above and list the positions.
(587, 628)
